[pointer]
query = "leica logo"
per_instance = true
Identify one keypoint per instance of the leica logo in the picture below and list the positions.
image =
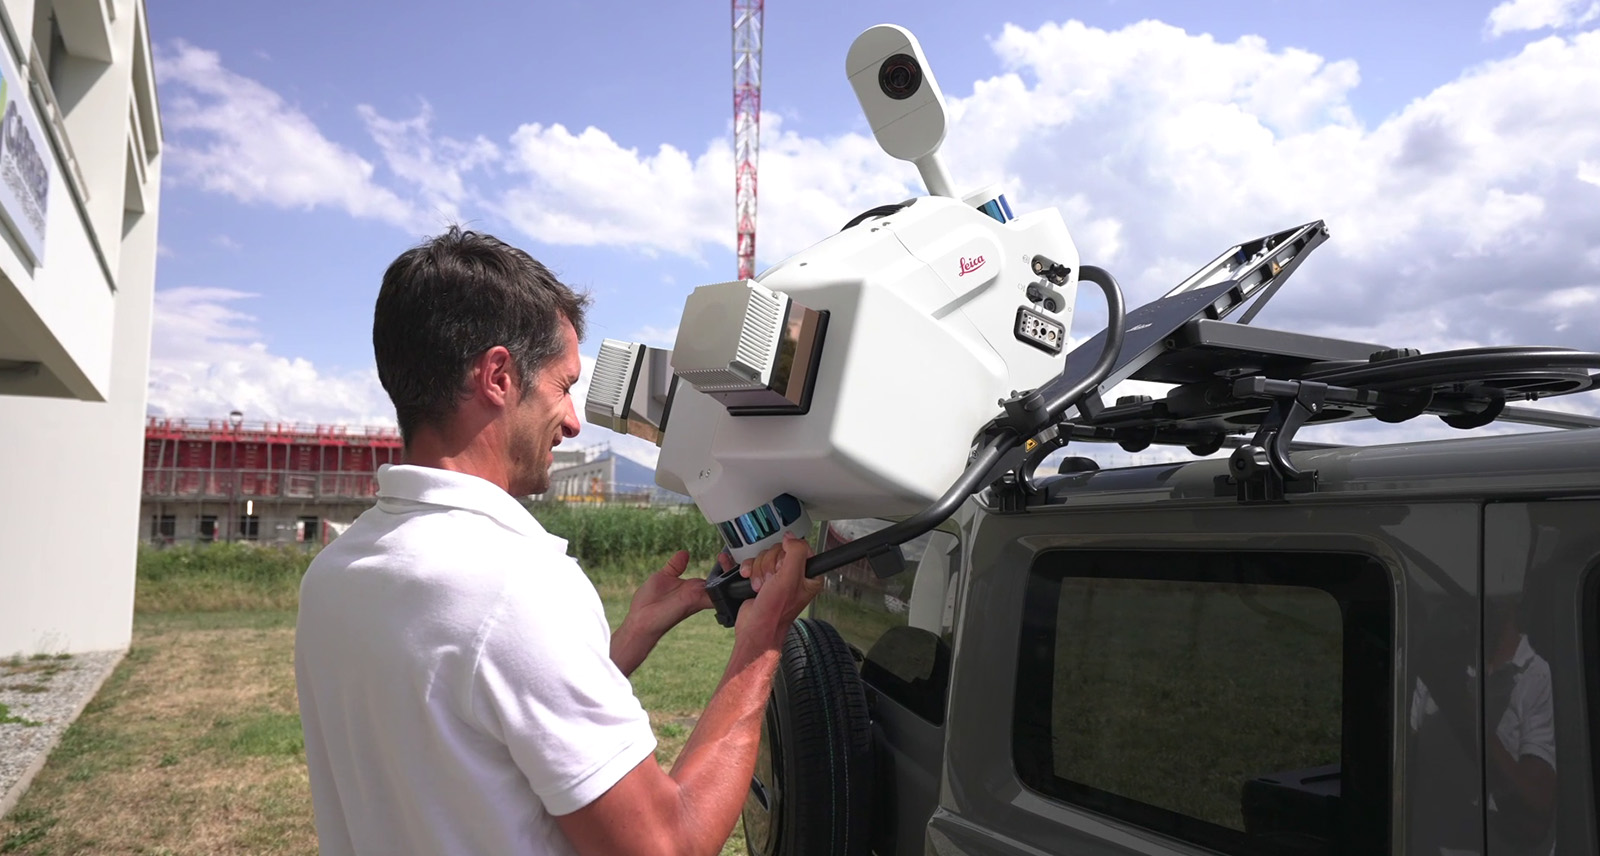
(970, 265)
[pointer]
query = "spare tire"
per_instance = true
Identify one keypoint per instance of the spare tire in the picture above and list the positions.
(812, 789)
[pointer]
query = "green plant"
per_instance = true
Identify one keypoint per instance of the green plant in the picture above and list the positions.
(262, 734)
(220, 576)
(31, 827)
(7, 719)
(241, 561)
(607, 534)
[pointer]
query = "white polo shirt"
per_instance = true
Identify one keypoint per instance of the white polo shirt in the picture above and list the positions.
(456, 686)
(1527, 727)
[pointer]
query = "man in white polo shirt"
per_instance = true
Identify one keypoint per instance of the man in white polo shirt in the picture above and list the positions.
(459, 687)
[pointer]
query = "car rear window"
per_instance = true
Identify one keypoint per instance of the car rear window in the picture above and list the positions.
(1240, 701)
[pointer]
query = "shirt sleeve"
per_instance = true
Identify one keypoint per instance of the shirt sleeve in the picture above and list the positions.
(1532, 698)
(545, 686)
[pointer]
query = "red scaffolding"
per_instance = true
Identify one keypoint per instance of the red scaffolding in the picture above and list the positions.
(224, 460)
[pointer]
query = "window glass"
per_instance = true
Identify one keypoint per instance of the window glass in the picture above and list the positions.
(1238, 701)
(1591, 663)
(901, 625)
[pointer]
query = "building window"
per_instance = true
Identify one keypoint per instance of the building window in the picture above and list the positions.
(208, 527)
(249, 527)
(1238, 701)
(308, 530)
(164, 527)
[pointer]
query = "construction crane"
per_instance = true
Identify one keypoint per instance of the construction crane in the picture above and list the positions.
(746, 126)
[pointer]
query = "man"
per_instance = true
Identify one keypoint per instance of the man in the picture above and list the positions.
(1518, 699)
(459, 688)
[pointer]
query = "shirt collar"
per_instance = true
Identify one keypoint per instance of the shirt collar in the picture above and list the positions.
(1524, 653)
(450, 489)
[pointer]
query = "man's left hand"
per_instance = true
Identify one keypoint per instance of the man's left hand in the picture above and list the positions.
(664, 600)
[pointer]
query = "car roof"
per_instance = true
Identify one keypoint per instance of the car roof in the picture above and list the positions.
(1545, 464)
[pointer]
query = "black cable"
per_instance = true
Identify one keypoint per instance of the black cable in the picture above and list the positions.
(921, 522)
(880, 211)
(1056, 404)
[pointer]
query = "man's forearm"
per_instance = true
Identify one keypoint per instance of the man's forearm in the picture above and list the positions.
(630, 645)
(713, 771)
(1533, 786)
(692, 809)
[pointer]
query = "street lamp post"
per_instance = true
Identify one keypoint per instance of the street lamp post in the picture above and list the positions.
(235, 419)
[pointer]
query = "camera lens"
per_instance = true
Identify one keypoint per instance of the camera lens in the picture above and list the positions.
(900, 76)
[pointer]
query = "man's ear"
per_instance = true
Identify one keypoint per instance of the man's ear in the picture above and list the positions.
(494, 377)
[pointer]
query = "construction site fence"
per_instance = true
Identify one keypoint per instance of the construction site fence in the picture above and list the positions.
(642, 496)
(210, 484)
(228, 429)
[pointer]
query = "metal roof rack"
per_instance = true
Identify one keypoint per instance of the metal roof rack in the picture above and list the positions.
(1231, 378)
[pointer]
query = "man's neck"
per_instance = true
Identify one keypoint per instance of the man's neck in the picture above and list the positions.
(473, 452)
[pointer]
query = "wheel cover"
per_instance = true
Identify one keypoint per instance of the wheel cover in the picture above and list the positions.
(762, 804)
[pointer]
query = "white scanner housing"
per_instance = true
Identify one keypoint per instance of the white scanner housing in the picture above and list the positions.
(919, 347)
(850, 379)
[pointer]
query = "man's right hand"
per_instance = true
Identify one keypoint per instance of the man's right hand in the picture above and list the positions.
(778, 577)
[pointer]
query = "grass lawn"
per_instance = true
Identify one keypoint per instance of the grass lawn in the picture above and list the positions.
(193, 745)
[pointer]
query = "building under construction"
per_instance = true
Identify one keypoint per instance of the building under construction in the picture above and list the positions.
(231, 480)
(598, 475)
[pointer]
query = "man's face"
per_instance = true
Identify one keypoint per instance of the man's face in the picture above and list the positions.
(544, 417)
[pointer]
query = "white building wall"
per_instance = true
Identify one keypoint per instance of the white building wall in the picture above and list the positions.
(70, 467)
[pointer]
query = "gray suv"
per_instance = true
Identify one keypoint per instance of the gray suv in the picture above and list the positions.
(1293, 649)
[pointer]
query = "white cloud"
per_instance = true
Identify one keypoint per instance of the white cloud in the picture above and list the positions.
(657, 337)
(586, 189)
(1448, 220)
(1519, 15)
(207, 358)
(1161, 148)
(232, 135)
(435, 168)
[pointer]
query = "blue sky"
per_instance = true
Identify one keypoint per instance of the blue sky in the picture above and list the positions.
(1453, 145)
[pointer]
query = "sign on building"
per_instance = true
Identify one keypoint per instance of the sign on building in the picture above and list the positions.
(24, 163)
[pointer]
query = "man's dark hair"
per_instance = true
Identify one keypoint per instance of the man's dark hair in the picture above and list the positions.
(446, 301)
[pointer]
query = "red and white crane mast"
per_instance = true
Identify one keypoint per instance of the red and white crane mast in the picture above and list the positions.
(746, 126)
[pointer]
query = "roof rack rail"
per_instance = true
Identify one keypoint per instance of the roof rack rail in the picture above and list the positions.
(1233, 378)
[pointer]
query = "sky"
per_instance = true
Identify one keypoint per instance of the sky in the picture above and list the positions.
(1453, 149)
